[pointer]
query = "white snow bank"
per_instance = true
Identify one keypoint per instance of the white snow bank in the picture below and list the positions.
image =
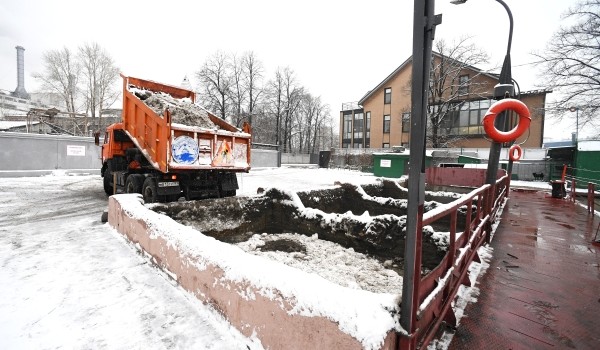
(364, 315)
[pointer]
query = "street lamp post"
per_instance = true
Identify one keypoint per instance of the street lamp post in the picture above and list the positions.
(576, 109)
(504, 89)
(424, 23)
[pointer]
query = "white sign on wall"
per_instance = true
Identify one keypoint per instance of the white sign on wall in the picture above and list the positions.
(386, 163)
(77, 151)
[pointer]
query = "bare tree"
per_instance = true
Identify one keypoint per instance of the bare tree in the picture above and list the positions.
(253, 70)
(100, 74)
(216, 84)
(448, 65)
(61, 74)
(238, 89)
(571, 62)
(275, 105)
(312, 113)
(293, 96)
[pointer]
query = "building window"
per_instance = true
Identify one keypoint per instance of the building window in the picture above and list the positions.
(465, 118)
(358, 126)
(387, 96)
(386, 145)
(386, 124)
(406, 122)
(368, 130)
(347, 131)
(463, 85)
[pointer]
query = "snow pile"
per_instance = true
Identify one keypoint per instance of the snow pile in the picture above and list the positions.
(342, 266)
(465, 295)
(365, 315)
(182, 110)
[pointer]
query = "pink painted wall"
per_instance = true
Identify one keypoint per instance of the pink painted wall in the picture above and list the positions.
(457, 176)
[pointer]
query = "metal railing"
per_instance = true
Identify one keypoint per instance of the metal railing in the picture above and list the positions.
(437, 290)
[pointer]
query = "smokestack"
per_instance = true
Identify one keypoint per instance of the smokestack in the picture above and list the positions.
(20, 90)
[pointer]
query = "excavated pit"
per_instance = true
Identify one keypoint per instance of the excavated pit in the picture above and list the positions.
(369, 219)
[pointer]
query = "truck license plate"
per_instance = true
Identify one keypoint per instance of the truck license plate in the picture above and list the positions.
(168, 184)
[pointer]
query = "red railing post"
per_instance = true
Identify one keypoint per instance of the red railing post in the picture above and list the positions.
(452, 247)
(468, 219)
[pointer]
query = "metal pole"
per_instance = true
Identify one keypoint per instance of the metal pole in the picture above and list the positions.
(503, 90)
(424, 23)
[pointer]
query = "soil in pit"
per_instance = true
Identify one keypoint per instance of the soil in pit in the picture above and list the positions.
(335, 215)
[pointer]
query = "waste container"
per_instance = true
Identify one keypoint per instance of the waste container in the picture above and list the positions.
(393, 164)
(324, 157)
(558, 189)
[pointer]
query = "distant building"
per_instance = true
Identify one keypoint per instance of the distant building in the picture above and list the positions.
(381, 118)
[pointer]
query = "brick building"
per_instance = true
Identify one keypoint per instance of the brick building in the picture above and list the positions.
(381, 118)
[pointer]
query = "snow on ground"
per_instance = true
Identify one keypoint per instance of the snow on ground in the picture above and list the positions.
(298, 179)
(68, 281)
(342, 266)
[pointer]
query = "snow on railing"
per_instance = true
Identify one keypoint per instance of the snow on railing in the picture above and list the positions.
(438, 289)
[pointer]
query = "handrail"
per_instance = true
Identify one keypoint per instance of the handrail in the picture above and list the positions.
(438, 289)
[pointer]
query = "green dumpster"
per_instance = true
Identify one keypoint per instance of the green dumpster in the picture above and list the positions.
(393, 164)
(468, 160)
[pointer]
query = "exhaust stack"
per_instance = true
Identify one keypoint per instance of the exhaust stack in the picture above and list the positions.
(20, 90)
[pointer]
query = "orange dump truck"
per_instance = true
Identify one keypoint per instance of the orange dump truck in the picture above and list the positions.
(166, 146)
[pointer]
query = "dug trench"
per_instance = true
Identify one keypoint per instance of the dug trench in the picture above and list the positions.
(371, 219)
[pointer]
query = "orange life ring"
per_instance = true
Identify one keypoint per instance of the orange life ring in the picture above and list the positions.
(499, 107)
(515, 152)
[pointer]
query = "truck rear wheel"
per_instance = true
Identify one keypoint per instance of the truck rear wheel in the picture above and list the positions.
(149, 190)
(108, 185)
(134, 183)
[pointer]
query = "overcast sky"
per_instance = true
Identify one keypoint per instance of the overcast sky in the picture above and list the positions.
(338, 49)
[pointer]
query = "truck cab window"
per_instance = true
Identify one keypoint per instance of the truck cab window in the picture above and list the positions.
(121, 136)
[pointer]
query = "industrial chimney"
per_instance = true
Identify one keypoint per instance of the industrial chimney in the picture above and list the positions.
(20, 90)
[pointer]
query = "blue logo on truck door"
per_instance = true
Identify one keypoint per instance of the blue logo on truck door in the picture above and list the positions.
(184, 150)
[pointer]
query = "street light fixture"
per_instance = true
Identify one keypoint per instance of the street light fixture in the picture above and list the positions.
(576, 109)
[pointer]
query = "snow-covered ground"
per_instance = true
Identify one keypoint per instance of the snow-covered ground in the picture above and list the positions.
(68, 281)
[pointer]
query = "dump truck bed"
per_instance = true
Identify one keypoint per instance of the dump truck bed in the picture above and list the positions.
(174, 133)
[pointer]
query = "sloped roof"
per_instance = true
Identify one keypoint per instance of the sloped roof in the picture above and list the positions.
(6, 125)
(405, 64)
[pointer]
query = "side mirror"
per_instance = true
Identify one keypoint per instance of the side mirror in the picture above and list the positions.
(97, 138)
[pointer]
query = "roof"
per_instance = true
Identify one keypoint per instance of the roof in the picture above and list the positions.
(406, 63)
(536, 92)
(6, 125)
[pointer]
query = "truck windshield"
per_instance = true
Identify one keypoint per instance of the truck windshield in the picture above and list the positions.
(121, 136)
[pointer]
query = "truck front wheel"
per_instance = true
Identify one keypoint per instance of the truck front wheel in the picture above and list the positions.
(149, 191)
(108, 185)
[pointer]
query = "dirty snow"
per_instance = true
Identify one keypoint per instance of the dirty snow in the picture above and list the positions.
(67, 281)
(342, 266)
(182, 110)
